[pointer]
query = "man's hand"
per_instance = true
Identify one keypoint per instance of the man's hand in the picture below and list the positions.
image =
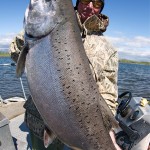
(112, 135)
(148, 147)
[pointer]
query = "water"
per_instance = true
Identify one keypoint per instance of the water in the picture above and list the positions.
(131, 77)
(10, 85)
(134, 78)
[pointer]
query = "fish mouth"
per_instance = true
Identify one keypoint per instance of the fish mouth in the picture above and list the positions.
(40, 18)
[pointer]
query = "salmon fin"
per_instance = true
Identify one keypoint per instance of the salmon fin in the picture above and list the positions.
(21, 61)
(49, 137)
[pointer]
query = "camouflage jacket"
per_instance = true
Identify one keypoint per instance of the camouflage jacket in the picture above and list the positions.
(16, 46)
(103, 57)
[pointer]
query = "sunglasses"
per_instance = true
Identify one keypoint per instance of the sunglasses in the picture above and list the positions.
(96, 3)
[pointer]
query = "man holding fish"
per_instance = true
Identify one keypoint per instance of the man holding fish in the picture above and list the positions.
(103, 62)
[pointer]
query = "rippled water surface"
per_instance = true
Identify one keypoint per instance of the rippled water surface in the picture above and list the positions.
(10, 85)
(131, 77)
(134, 78)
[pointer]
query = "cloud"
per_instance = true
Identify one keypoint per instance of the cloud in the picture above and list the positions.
(5, 41)
(136, 48)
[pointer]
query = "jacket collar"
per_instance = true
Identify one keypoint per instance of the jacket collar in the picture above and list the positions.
(94, 23)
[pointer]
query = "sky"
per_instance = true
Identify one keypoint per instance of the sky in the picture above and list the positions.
(128, 30)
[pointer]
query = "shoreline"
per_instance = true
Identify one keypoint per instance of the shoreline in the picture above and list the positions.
(3, 54)
(126, 61)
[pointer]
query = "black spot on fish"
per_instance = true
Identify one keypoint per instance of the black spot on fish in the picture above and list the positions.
(87, 128)
(81, 127)
(97, 110)
(74, 100)
(82, 89)
(80, 120)
(77, 108)
(67, 68)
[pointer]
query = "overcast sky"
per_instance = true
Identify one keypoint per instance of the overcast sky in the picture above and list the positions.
(129, 28)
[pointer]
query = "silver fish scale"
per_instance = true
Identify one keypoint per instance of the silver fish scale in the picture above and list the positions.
(63, 88)
(83, 103)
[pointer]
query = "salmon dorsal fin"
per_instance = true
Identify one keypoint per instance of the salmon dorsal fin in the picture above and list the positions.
(21, 61)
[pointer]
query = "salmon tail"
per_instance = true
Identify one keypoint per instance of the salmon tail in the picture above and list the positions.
(21, 61)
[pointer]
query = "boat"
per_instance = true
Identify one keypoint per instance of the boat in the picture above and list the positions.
(12, 125)
(14, 134)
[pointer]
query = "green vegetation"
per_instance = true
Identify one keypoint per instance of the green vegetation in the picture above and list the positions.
(133, 62)
(4, 54)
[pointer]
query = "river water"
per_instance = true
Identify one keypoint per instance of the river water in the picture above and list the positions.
(131, 77)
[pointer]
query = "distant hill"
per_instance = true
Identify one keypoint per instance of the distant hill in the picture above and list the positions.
(4, 54)
(133, 62)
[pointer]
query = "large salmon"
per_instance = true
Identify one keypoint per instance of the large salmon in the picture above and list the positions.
(60, 79)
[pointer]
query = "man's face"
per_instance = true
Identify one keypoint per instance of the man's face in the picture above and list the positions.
(87, 10)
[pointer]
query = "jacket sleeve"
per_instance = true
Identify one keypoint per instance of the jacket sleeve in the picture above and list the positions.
(109, 83)
(16, 46)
